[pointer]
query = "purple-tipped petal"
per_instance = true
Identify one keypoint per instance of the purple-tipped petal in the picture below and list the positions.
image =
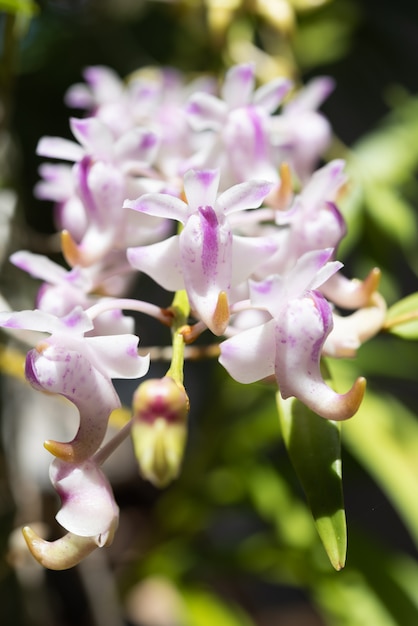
(201, 187)
(271, 95)
(248, 195)
(238, 86)
(93, 135)
(118, 356)
(44, 322)
(205, 112)
(159, 205)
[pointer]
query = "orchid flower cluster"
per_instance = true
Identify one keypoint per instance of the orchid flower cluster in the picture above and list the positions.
(215, 195)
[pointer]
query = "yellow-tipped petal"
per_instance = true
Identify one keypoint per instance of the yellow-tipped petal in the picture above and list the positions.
(70, 249)
(74, 451)
(371, 282)
(351, 400)
(61, 554)
(63, 451)
(285, 190)
(220, 317)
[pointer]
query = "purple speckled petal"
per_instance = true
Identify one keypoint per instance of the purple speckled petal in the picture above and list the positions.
(57, 369)
(301, 331)
(249, 355)
(238, 86)
(88, 507)
(206, 261)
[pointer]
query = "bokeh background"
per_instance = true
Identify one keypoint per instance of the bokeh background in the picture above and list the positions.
(232, 542)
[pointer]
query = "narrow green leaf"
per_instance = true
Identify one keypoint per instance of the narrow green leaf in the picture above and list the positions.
(314, 448)
(402, 317)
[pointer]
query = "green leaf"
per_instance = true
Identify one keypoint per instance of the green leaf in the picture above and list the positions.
(314, 448)
(402, 317)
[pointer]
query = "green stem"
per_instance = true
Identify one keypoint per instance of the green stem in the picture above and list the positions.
(180, 310)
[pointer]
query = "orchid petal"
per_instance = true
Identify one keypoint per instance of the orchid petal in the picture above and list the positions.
(105, 82)
(201, 187)
(61, 554)
(117, 355)
(351, 294)
(239, 85)
(249, 355)
(159, 205)
(37, 320)
(247, 195)
(39, 266)
(56, 369)
(270, 95)
(106, 187)
(161, 261)
(311, 96)
(301, 330)
(57, 183)
(138, 147)
(248, 253)
(58, 148)
(88, 507)
(351, 331)
(205, 111)
(93, 135)
(206, 260)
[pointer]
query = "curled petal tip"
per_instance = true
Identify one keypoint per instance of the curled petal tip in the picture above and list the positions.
(220, 316)
(350, 401)
(63, 451)
(372, 280)
(61, 554)
(72, 452)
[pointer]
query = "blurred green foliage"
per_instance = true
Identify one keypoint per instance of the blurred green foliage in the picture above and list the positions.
(236, 524)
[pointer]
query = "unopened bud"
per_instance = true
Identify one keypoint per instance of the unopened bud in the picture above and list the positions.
(160, 409)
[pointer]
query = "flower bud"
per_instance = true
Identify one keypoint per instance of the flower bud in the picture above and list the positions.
(160, 409)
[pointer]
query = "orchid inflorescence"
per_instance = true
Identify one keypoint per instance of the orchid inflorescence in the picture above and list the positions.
(215, 196)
